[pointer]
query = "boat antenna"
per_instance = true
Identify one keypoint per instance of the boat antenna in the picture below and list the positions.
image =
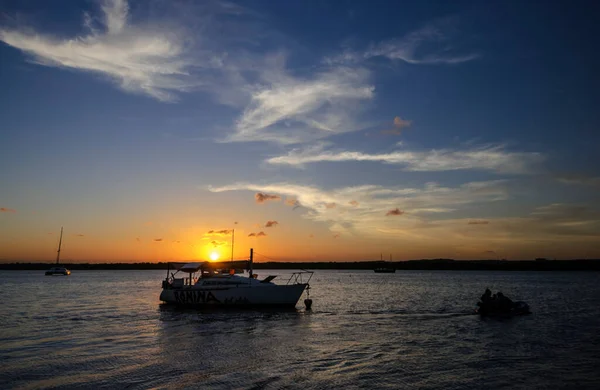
(250, 265)
(59, 244)
(232, 239)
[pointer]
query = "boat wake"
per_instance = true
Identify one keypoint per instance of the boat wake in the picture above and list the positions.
(424, 315)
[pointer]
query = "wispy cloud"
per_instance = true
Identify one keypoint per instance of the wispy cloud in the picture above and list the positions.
(223, 232)
(144, 58)
(262, 198)
(271, 224)
(276, 103)
(259, 234)
(353, 203)
(158, 239)
(579, 179)
(374, 201)
(407, 48)
(399, 124)
(493, 158)
(217, 244)
(7, 210)
(288, 109)
(550, 223)
(430, 44)
(395, 211)
(293, 203)
(478, 222)
(79, 235)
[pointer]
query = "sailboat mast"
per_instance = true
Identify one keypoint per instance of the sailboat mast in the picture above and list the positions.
(59, 244)
(250, 265)
(232, 240)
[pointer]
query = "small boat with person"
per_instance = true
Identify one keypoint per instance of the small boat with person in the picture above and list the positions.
(499, 305)
(58, 270)
(222, 284)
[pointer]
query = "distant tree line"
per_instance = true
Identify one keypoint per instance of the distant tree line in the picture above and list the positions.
(434, 264)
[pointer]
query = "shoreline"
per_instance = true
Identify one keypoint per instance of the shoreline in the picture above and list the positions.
(435, 264)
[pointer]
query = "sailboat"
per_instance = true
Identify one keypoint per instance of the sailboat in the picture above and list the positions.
(58, 270)
(384, 268)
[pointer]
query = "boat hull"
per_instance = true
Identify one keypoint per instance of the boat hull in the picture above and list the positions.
(275, 295)
(50, 273)
(518, 309)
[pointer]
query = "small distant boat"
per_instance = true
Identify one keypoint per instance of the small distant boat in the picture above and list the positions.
(385, 270)
(58, 270)
(220, 285)
(384, 267)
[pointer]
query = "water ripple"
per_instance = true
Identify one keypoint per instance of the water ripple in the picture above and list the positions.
(411, 329)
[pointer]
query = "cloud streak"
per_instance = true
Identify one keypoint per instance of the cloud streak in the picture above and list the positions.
(146, 59)
(399, 124)
(478, 222)
(7, 210)
(259, 197)
(370, 204)
(429, 45)
(223, 232)
(259, 234)
(579, 179)
(395, 211)
(288, 109)
(276, 103)
(493, 158)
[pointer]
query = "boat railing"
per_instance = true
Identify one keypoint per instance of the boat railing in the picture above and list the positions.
(300, 277)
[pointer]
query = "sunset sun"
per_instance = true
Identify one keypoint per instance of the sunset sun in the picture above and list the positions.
(214, 256)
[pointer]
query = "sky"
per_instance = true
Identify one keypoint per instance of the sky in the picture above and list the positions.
(307, 130)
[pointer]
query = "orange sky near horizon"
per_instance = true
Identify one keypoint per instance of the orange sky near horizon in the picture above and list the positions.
(289, 237)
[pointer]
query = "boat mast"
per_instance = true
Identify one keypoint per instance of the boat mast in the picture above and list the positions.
(59, 244)
(232, 239)
(251, 257)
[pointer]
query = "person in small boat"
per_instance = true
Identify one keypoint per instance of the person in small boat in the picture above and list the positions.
(504, 302)
(487, 296)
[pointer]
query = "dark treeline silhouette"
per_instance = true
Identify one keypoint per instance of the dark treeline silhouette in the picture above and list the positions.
(434, 264)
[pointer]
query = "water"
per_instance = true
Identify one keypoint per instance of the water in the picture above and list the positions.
(411, 329)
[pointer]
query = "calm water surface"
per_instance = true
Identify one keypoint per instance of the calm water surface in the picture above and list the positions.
(412, 329)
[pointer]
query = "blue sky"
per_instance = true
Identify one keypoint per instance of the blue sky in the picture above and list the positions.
(422, 129)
